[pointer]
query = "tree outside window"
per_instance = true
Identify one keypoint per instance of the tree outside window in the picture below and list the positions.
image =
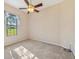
(11, 24)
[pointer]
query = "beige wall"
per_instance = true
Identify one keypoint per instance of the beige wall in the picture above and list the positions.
(54, 25)
(44, 25)
(67, 25)
(22, 27)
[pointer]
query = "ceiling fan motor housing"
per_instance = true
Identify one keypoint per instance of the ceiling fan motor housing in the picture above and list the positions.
(31, 8)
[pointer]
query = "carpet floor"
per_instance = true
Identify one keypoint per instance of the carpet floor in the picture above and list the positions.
(40, 49)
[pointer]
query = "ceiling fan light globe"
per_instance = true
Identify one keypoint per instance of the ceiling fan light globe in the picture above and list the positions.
(30, 9)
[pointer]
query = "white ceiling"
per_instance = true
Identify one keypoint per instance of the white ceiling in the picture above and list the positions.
(21, 3)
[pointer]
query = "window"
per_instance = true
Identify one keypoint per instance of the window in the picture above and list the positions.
(10, 24)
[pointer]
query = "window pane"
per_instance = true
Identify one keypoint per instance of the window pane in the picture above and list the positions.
(11, 24)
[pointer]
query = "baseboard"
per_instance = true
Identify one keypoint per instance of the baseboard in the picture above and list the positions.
(15, 43)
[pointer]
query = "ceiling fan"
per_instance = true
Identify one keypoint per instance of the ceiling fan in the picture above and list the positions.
(31, 7)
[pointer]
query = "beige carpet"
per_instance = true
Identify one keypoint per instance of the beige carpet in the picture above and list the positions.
(40, 49)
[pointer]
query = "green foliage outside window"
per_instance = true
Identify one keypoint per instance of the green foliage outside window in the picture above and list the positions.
(11, 24)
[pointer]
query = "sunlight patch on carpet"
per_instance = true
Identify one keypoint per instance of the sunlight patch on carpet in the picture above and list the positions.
(24, 53)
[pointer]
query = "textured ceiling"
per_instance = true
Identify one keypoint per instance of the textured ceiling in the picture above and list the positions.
(21, 3)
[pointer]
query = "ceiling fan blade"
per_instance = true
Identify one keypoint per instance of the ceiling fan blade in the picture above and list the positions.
(36, 10)
(27, 2)
(22, 8)
(38, 5)
(28, 12)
